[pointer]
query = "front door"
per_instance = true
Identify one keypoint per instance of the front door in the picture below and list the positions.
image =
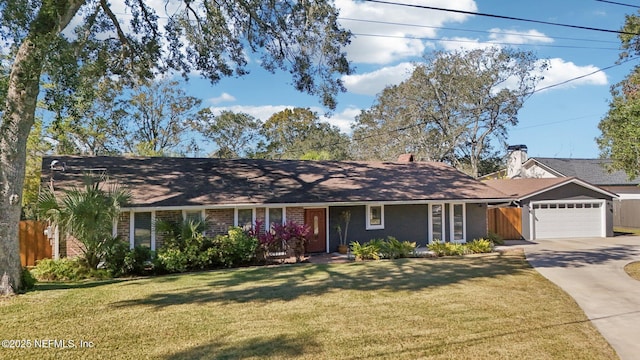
(317, 238)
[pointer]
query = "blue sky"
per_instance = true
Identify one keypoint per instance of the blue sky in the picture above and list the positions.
(559, 122)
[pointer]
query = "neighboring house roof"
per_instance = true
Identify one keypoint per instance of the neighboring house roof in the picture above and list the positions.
(173, 182)
(594, 171)
(525, 188)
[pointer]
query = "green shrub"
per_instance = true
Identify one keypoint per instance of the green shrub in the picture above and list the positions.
(66, 270)
(172, 261)
(447, 248)
(377, 249)
(392, 248)
(495, 238)
(137, 261)
(27, 279)
(236, 248)
(479, 246)
(185, 248)
(114, 260)
(366, 251)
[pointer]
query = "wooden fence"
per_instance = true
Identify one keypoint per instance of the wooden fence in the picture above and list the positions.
(34, 244)
(626, 213)
(506, 222)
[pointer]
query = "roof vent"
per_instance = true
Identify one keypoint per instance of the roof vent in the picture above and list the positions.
(405, 158)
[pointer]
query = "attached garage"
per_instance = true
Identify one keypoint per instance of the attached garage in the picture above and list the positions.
(556, 208)
(567, 219)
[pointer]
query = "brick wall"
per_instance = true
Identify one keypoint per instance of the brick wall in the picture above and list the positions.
(295, 214)
(73, 247)
(218, 221)
(260, 215)
(122, 228)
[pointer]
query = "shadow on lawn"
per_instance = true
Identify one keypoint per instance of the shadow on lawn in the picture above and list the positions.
(580, 258)
(281, 346)
(289, 282)
(45, 286)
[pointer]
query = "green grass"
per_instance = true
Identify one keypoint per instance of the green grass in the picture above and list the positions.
(626, 231)
(486, 307)
(633, 269)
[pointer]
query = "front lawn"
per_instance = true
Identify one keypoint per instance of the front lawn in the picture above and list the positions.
(633, 269)
(486, 307)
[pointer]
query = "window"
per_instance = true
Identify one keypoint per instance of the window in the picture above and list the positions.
(192, 215)
(375, 217)
(245, 218)
(457, 224)
(142, 229)
(275, 216)
(436, 221)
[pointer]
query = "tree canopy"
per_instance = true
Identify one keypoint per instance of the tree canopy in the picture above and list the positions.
(74, 43)
(450, 108)
(299, 134)
(620, 127)
(234, 134)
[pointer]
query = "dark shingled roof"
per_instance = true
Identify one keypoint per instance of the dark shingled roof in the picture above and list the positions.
(593, 171)
(205, 181)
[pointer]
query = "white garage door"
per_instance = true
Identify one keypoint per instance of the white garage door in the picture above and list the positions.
(552, 220)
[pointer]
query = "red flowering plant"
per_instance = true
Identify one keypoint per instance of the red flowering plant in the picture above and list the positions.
(280, 238)
(294, 235)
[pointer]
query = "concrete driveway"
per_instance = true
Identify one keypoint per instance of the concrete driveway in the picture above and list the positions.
(591, 271)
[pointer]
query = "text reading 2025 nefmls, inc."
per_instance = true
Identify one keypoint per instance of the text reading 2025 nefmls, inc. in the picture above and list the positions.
(46, 344)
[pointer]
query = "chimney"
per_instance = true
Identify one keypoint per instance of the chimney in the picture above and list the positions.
(406, 158)
(517, 156)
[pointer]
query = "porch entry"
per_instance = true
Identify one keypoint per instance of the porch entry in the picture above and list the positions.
(316, 219)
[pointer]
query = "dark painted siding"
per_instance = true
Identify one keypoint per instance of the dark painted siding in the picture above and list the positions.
(568, 192)
(476, 221)
(404, 222)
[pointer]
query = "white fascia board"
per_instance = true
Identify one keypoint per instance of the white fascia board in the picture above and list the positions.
(309, 205)
(545, 167)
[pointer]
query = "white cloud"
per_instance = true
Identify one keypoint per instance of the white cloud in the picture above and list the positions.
(344, 119)
(464, 44)
(386, 20)
(262, 112)
(224, 97)
(519, 37)
(561, 70)
(496, 37)
(372, 83)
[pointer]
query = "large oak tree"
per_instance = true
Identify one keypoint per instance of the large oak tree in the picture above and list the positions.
(450, 107)
(298, 133)
(64, 41)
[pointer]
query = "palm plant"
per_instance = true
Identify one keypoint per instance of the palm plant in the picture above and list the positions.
(86, 213)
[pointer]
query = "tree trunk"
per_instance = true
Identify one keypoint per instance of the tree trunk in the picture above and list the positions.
(17, 119)
(16, 123)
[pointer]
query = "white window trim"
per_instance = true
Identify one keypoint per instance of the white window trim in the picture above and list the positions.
(452, 225)
(184, 214)
(368, 218)
(267, 221)
(235, 215)
(442, 222)
(132, 229)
